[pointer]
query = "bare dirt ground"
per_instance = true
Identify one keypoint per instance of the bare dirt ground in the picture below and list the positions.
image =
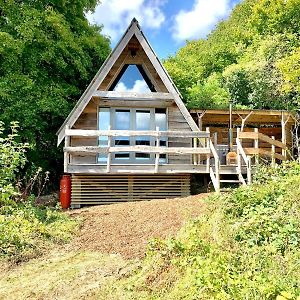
(126, 228)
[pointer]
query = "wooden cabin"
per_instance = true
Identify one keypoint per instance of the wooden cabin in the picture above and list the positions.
(130, 136)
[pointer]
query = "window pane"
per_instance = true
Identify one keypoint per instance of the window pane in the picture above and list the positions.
(132, 80)
(104, 123)
(142, 120)
(122, 122)
(161, 119)
(161, 122)
(122, 155)
(122, 119)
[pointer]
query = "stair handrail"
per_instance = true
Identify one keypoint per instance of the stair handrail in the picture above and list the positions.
(241, 152)
(215, 174)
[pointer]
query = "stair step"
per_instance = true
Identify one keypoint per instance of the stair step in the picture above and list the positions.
(230, 180)
(226, 190)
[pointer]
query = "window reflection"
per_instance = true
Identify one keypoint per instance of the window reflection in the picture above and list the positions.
(132, 119)
(104, 123)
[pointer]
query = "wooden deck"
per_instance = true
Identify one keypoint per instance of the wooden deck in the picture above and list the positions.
(110, 182)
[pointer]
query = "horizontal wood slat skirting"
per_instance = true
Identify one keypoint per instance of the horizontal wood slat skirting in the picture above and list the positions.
(104, 189)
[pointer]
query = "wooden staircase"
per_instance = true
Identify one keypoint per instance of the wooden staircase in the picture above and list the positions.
(241, 171)
(230, 174)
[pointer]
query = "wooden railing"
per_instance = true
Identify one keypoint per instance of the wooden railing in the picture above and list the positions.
(241, 154)
(258, 151)
(156, 149)
(214, 173)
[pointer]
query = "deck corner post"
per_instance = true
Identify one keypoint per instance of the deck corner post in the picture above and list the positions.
(208, 146)
(256, 146)
(157, 154)
(66, 154)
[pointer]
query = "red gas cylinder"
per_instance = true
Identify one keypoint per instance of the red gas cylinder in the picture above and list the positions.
(65, 191)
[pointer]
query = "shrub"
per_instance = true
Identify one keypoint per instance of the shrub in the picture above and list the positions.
(12, 159)
(25, 230)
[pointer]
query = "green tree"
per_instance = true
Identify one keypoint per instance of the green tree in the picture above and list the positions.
(211, 94)
(48, 54)
(255, 52)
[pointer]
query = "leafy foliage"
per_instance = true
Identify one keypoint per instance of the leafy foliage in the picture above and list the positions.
(25, 230)
(48, 55)
(254, 54)
(12, 159)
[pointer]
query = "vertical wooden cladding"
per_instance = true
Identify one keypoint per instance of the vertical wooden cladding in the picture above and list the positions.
(140, 58)
(176, 122)
(87, 120)
(103, 189)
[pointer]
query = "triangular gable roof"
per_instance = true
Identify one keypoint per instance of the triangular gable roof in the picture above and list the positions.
(133, 30)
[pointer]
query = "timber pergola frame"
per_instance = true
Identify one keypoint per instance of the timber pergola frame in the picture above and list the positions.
(93, 92)
(255, 117)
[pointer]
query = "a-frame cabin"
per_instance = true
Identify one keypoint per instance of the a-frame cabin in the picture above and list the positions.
(130, 143)
(130, 136)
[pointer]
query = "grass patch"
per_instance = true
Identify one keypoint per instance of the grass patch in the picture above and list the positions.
(61, 275)
(27, 231)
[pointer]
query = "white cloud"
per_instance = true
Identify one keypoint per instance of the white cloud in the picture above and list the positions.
(199, 21)
(140, 86)
(116, 15)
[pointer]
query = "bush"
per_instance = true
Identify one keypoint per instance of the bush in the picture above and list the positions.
(12, 159)
(25, 230)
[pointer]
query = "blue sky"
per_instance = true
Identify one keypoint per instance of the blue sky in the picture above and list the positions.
(166, 23)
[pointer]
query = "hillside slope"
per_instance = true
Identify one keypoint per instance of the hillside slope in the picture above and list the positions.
(243, 245)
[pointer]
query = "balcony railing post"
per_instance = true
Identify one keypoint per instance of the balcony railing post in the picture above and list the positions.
(256, 147)
(208, 146)
(195, 156)
(157, 154)
(108, 163)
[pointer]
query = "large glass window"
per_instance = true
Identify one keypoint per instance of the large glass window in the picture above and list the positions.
(161, 123)
(122, 122)
(132, 78)
(104, 124)
(136, 119)
(142, 122)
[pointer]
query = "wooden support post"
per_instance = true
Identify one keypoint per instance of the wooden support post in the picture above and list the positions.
(157, 154)
(207, 144)
(108, 163)
(273, 152)
(66, 154)
(195, 156)
(283, 132)
(239, 163)
(244, 120)
(200, 116)
(215, 138)
(256, 147)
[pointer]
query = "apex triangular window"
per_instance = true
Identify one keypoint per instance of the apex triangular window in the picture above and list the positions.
(132, 78)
